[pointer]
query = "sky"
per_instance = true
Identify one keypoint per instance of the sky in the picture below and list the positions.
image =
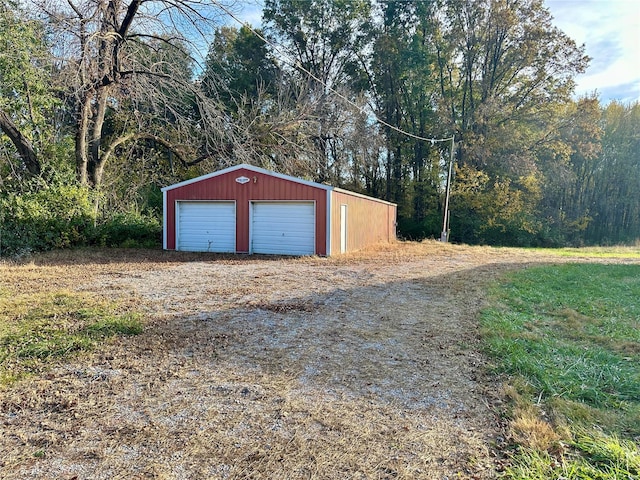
(610, 31)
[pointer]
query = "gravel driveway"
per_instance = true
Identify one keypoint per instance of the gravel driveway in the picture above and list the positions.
(364, 366)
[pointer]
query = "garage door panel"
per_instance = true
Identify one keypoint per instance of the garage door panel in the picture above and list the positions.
(206, 227)
(288, 223)
(283, 228)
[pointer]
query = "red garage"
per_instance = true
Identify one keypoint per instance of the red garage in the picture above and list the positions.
(246, 209)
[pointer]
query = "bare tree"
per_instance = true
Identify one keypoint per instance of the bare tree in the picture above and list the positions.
(117, 54)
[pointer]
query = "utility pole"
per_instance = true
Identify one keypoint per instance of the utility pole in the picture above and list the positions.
(444, 236)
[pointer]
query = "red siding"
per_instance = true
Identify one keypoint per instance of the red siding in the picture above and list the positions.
(260, 187)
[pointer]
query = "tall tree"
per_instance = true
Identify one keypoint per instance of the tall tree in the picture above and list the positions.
(404, 90)
(25, 99)
(271, 112)
(506, 75)
(98, 46)
(502, 65)
(238, 68)
(326, 38)
(614, 191)
(581, 135)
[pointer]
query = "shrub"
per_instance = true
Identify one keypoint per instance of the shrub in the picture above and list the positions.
(429, 227)
(53, 216)
(130, 229)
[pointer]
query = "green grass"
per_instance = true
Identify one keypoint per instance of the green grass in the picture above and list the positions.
(41, 327)
(567, 338)
(594, 252)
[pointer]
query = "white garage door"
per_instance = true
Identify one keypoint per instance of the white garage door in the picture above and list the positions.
(206, 227)
(286, 228)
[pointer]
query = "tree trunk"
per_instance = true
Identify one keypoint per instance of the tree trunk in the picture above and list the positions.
(96, 164)
(82, 159)
(22, 143)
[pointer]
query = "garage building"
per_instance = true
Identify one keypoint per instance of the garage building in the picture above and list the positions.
(246, 209)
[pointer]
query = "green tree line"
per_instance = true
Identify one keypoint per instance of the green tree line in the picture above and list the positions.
(103, 102)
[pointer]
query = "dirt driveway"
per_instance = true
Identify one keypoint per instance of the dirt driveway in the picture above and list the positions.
(358, 367)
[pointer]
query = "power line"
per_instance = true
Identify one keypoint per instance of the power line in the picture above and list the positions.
(296, 64)
(444, 237)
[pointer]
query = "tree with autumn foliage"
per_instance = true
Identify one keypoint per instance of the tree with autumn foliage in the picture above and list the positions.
(347, 93)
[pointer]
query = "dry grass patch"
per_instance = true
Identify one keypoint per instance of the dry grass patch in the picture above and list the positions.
(257, 427)
(286, 307)
(533, 432)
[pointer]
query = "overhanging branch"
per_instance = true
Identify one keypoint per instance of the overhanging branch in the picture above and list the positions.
(23, 145)
(134, 137)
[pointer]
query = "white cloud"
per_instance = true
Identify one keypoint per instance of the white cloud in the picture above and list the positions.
(251, 12)
(610, 30)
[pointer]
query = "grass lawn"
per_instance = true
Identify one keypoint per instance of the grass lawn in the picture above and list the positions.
(567, 341)
(41, 326)
(593, 252)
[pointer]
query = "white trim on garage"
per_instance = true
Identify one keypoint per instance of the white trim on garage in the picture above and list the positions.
(252, 169)
(329, 223)
(206, 226)
(165, 231)
(282, 227)
(343, 228)
(360, 195)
